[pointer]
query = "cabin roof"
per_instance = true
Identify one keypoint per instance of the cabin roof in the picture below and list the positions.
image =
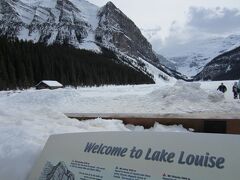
(51, 83)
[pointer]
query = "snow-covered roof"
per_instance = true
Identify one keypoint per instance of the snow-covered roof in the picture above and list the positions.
(51, 83)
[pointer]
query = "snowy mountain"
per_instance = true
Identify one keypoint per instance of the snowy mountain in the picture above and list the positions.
(224, 67)
(164, 61)
(82, 25)
(50, 21)
(190, 58)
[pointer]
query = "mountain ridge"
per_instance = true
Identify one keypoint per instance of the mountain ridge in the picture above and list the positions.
(82, 25)
(223, 67)
(191, 58)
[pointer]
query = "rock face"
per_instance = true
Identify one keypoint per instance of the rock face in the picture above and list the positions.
(83, 25)
(117, 30)
(10, 22)
(55, 21)
(223, 67)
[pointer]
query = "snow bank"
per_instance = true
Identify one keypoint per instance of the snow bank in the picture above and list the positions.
(28, 118)
(23, 138)
(186, 92)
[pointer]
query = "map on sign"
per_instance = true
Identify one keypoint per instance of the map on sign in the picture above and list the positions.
(57, 172)
(139, 156)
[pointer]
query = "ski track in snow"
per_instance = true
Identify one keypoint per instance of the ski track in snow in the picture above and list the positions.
(29, 117)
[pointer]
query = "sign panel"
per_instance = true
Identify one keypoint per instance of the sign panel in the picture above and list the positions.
(139, 156)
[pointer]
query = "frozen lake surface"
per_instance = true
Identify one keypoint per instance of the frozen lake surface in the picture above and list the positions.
(29, 117)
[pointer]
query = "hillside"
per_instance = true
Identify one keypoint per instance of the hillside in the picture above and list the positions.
(224, 67)
(24, 64)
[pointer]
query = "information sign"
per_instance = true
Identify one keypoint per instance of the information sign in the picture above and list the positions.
(139, 156)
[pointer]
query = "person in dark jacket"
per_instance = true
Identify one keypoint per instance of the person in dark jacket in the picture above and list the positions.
(235, 90)
(222, 88)
(239, 88)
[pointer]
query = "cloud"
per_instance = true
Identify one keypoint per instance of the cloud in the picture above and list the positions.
(200, 24)
(203, 23)
(154, 36)
(155, 29)
(151, 33)
(215, 21)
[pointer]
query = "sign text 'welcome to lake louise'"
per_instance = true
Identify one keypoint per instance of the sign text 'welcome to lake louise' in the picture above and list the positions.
(163, 155)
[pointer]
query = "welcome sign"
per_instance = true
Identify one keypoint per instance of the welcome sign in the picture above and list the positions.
(139, 156)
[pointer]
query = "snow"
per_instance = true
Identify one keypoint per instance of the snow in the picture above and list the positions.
(89, 43)
(48, 3)
(29, 117)
(52, 83)
(149, 68)
(42, 10)
(43, 3)
(89, 12)
(229, 68)
(34, 36)
(158, 74)
(191, 57)
(42, 14)
(26, 13)
(23, 34)
(53, 37)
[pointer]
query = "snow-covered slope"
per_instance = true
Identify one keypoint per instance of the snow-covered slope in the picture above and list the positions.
(191, 58)
(82, 25)
(164, 61)
(224, 67)
(51, 21)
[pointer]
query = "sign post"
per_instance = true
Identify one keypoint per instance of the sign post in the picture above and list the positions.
(139, 156)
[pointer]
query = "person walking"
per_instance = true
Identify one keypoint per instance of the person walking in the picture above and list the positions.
(238, 88)
(222, 88)
(235, 90)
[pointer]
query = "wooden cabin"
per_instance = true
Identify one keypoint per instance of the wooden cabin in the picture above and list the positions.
(49, 84)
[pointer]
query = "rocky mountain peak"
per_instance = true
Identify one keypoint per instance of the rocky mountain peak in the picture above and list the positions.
(110, 5)
(117, 30)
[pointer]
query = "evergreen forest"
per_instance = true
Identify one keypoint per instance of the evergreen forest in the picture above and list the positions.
(24, 64)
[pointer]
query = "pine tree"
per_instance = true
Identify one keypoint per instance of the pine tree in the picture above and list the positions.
(3, 74)
(26, 64)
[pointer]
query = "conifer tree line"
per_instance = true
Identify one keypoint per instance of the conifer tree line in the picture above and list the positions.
(24, 64)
